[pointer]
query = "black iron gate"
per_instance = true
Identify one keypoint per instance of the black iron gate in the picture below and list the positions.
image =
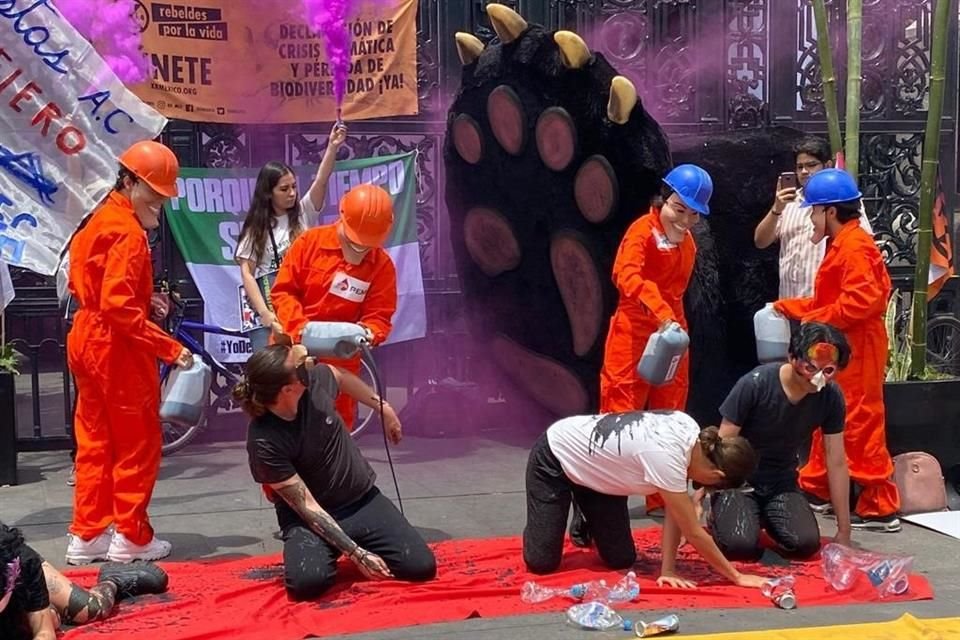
(701, 66)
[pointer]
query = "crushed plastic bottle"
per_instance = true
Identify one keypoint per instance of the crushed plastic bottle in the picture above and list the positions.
(625, 590)
(775, 586)
(594, 615)
(889, 575)
(532, 592)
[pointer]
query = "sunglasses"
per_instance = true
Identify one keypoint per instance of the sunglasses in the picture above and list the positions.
(303, 375)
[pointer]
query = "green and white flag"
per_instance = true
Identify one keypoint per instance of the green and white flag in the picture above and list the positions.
(207, 214)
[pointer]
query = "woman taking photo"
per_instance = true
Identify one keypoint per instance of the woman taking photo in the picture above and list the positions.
(601, 460)
(275, 219)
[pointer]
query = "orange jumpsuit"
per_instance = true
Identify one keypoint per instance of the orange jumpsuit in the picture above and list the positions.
(316, 282)
(851, 292)
(651, 274)
(112, 350)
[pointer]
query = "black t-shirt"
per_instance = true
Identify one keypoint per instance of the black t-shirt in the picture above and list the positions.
(29, 595)
(315, 445)
(774, 426)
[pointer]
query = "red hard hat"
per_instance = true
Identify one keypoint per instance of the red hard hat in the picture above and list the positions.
(367, 215)
(155, 164)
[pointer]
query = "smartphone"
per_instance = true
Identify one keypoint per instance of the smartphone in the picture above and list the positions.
(788, 180)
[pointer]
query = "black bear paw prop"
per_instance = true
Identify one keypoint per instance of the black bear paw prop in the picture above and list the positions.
(549, 157)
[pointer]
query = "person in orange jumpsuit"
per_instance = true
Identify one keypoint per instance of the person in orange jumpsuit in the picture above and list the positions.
(112, 350)
(851, 292)
(651, 271)
(341, 273)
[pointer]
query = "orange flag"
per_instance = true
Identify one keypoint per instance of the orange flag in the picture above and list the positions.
(941, 245)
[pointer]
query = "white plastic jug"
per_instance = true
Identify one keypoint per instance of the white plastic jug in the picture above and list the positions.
(661, 357)
(332, 339)
(185, 394)
(773, 335)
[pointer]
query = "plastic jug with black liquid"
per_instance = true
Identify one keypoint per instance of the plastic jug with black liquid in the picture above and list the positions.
(773, 335)
(186, 393)
(333, 339)
(661, 357)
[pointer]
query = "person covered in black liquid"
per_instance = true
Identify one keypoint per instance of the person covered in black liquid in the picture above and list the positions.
(777, 407)
(35, 598)
(299, 449)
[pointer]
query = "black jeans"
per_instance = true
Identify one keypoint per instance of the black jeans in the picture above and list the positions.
(310, 563)
(549, 492)
(737, 519)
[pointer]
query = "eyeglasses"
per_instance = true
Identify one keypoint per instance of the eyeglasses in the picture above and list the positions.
(303, 376)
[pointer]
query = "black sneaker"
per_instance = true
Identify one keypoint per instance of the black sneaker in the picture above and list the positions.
(134, 578)
(883, 524)
(818, 504)
(579, 531)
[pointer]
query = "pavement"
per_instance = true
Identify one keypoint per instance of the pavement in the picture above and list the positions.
(206, 504)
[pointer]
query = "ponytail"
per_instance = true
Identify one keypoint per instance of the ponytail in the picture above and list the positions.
(267, 373)
(733, 456)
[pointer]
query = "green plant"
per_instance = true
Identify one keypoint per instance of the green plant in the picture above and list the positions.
(828, 76)
(854, 36)
(9, 359)
(928, 180)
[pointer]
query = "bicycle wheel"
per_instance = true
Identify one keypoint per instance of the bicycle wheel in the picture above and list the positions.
(364, 414)
(943, 344)
(176, 437)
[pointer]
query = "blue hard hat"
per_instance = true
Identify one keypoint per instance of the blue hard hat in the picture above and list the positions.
(830, 186)
(693, 185)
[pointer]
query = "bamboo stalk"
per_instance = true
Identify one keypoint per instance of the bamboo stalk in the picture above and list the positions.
(928, 183)
(828, 77)
(854, 33)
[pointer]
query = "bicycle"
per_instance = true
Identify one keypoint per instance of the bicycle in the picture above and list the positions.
(225, 378)
(943, 336)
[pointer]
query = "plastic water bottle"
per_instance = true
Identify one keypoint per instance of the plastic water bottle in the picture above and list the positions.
(773, 335)
(186, 393)
(842, 567)
(594, 615)
(775, 586)
(333, 339)
(625, 590)
(661, 357)
(531, 593)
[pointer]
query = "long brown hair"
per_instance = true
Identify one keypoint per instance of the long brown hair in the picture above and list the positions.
(260, 218)
(267, 373)
(733, 456)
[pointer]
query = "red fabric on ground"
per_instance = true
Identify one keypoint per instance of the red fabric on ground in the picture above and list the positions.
(244, 599)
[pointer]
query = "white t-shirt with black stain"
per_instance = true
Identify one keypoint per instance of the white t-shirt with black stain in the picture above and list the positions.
(623, 454)
(281, 236)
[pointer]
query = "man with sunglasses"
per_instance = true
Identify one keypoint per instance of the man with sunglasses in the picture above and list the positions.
(851, 293)
(777, 407)
(329, 503)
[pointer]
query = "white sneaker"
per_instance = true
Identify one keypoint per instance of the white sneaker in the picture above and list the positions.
(80, 551)
(122, 550)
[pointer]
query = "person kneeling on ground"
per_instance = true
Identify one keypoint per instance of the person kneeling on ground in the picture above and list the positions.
(602, 459)
(35, 598)
(777, 407)
(299, 448)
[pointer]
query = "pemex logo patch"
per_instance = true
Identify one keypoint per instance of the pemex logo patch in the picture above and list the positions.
(349, 288)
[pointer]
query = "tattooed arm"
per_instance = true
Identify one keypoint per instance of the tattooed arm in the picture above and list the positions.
(295, 493)
(74, 604)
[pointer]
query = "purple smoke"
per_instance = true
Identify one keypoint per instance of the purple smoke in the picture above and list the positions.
(329, 19)
(112, 29)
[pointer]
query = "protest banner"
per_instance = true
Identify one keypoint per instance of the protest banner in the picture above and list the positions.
(207, 215)
(233, 61)
(64, 119)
